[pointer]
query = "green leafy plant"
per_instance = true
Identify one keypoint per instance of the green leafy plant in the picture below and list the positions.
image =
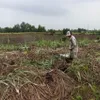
(52, 44)
(84, 42)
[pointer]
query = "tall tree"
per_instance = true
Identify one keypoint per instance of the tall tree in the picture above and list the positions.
(65, 30)
(23, 26)
(41, 29)
(17, 28)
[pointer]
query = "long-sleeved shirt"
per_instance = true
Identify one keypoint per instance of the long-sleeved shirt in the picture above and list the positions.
(73, 46)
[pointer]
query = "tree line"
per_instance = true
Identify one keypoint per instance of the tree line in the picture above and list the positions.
(26, 27)
(23, 27)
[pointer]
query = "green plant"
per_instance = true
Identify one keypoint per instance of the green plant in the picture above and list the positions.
(78, 97)
(95, 91)
(84, 42)
(52, 44)
(11, 47)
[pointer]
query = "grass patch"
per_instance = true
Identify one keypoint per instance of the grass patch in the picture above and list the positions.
(51, 44)
(11, 47)
(84, 42)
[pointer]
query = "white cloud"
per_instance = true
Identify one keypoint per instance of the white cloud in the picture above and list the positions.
(51, 13)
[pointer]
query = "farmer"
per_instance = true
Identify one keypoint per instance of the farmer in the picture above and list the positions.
(73, 47)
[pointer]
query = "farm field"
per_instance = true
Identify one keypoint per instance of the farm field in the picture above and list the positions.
(31, 69)
(21, 38)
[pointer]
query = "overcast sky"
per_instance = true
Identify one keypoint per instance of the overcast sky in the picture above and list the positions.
(56, 14)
